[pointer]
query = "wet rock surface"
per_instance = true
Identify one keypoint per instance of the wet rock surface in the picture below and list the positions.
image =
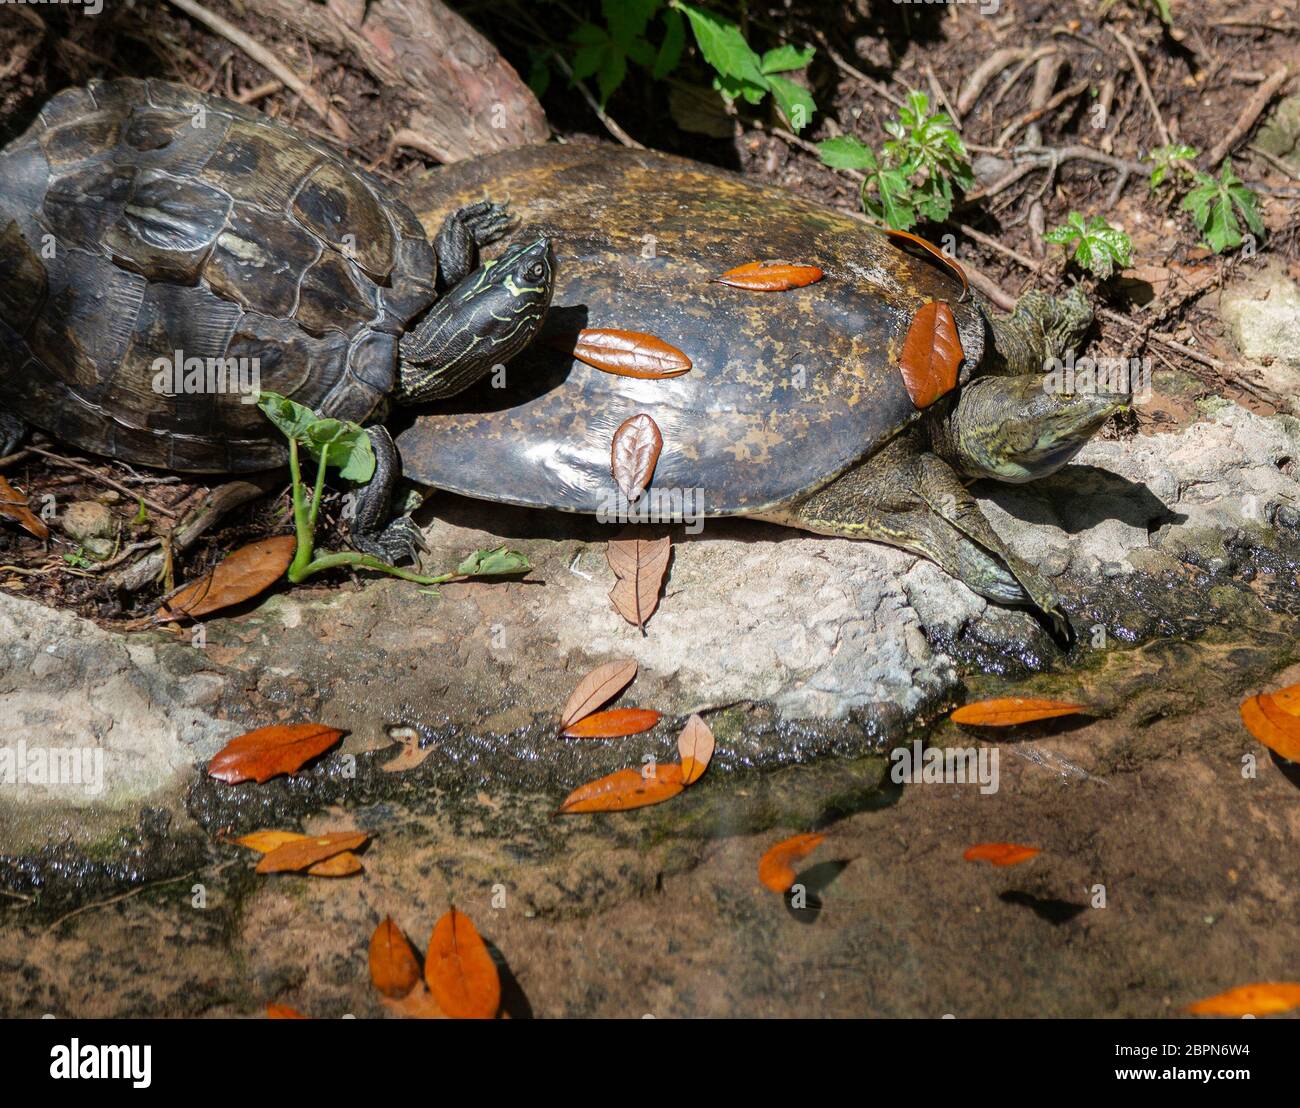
(1176, 555)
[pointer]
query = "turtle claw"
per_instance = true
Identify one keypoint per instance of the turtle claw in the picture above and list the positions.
(487, 221)
(402, 540)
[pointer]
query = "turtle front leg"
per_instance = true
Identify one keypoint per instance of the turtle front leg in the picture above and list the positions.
(462, 233)
(1042, 328)
(907, 497)
(371, 528)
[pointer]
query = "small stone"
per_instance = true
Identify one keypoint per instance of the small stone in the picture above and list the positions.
(83, 520)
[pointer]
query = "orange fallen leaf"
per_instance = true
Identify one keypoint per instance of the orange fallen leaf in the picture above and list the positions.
(696, 745)
(950, 262)
(1263, 998)
(283, 1012)
(341, 865)
(633, 454)
(624, 790)
(776, 867)
(614, 724)
(932, 354)
(640, 566)
(269, 751)
(13, 505)
(629, 353)
(1275, 727)
(1011, 710)
(601, 685)
(240, 576)
(459, 970)
(1001, 854)
(301, 854)
(1288, 699)
(770, 276)
(394, 969)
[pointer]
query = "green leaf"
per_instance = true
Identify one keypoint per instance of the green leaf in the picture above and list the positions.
(1215, 206)
(494, 563)
(787, 57)
(1101, 248)
(723, 46)
(846, 152)
(795, 101)
(345, 444)
(893, 206)
(539, 75)
(733, 88)
(1170, 159)
(628, 19)
(670, 50)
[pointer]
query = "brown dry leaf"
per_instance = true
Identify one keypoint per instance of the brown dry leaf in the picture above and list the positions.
(460, 971)
(341, 865)
(634, 453)
(601, 685)
(932, 354)
(776, 867)
(1001, 854)
(614, 724)
(307, 852)
(240, 575)
(624, 790)
(770, 276)
(629, 353)
(1272, 725)
(269, 751)
(934, 252)
(13, 505)
(418, 1004)
(1264, 998)
(1011, 710)
(283, 1012)
(394, 968)
(696, 746)
(640, 566)
(411, 755)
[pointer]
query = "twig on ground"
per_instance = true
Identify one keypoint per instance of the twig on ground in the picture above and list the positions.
(268, 61)
(1272, 159)
(609, 123)
(852, 71)
(59, 459)
(989, 68)
(1076, 89)
(1252, 111)
(1141, 75)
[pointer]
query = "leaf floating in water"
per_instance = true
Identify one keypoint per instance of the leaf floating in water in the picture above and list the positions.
(394, 969)
(1001, 854)
(13, 505)
(309, 851)
(625, 790)
(771, 276)
(1266, 717)
(240, 576)
(634, 454)
(629, 353)
(932, 354)
(269, 751)
(640, 566)
(947, 259)
(459, 970)
(614, 724)
(599, 687)
(1011, 710)
(696, 745)
(1265, 998)
(776, 867)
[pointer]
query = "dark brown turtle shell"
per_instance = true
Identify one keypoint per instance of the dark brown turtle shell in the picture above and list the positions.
(788, 389)
(139, 219)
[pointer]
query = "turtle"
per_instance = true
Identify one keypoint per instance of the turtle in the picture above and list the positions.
(148, 230)
(795, 410)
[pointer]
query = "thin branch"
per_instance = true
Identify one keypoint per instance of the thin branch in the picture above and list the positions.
(1141, 74)
(1249, 115)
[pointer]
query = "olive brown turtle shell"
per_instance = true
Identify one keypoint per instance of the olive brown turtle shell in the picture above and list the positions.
(142, 220)
(787, 390)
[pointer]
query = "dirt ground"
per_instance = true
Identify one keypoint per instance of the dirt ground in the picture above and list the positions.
(1168, 836)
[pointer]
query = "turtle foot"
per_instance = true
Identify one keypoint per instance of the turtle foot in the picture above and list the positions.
(400, 541)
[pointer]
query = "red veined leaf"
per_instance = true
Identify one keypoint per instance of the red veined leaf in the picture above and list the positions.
(269, 751)
(932, 354)
(770, 276)
(639, 565)
(301, 854)
(624, 790)
(776, 867)
(1001, 854)
(394, 968)
(634, 453)
(1264, 998)
(601, 685)
(459, 970)
(238, 577)
(628, 353)
(1011, 710)
(696, 745)
(13, 505)
(934, 252)
(614, 724)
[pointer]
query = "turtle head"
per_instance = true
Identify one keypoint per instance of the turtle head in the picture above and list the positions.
(1018, 429)
(483, 321)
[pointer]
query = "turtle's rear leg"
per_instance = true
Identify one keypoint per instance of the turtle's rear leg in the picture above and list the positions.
(462, 233)
(907, 497)
(12, 432)
(373, 532)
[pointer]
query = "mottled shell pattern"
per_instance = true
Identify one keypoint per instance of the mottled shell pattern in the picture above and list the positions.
(142, 220)
(787, 389)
